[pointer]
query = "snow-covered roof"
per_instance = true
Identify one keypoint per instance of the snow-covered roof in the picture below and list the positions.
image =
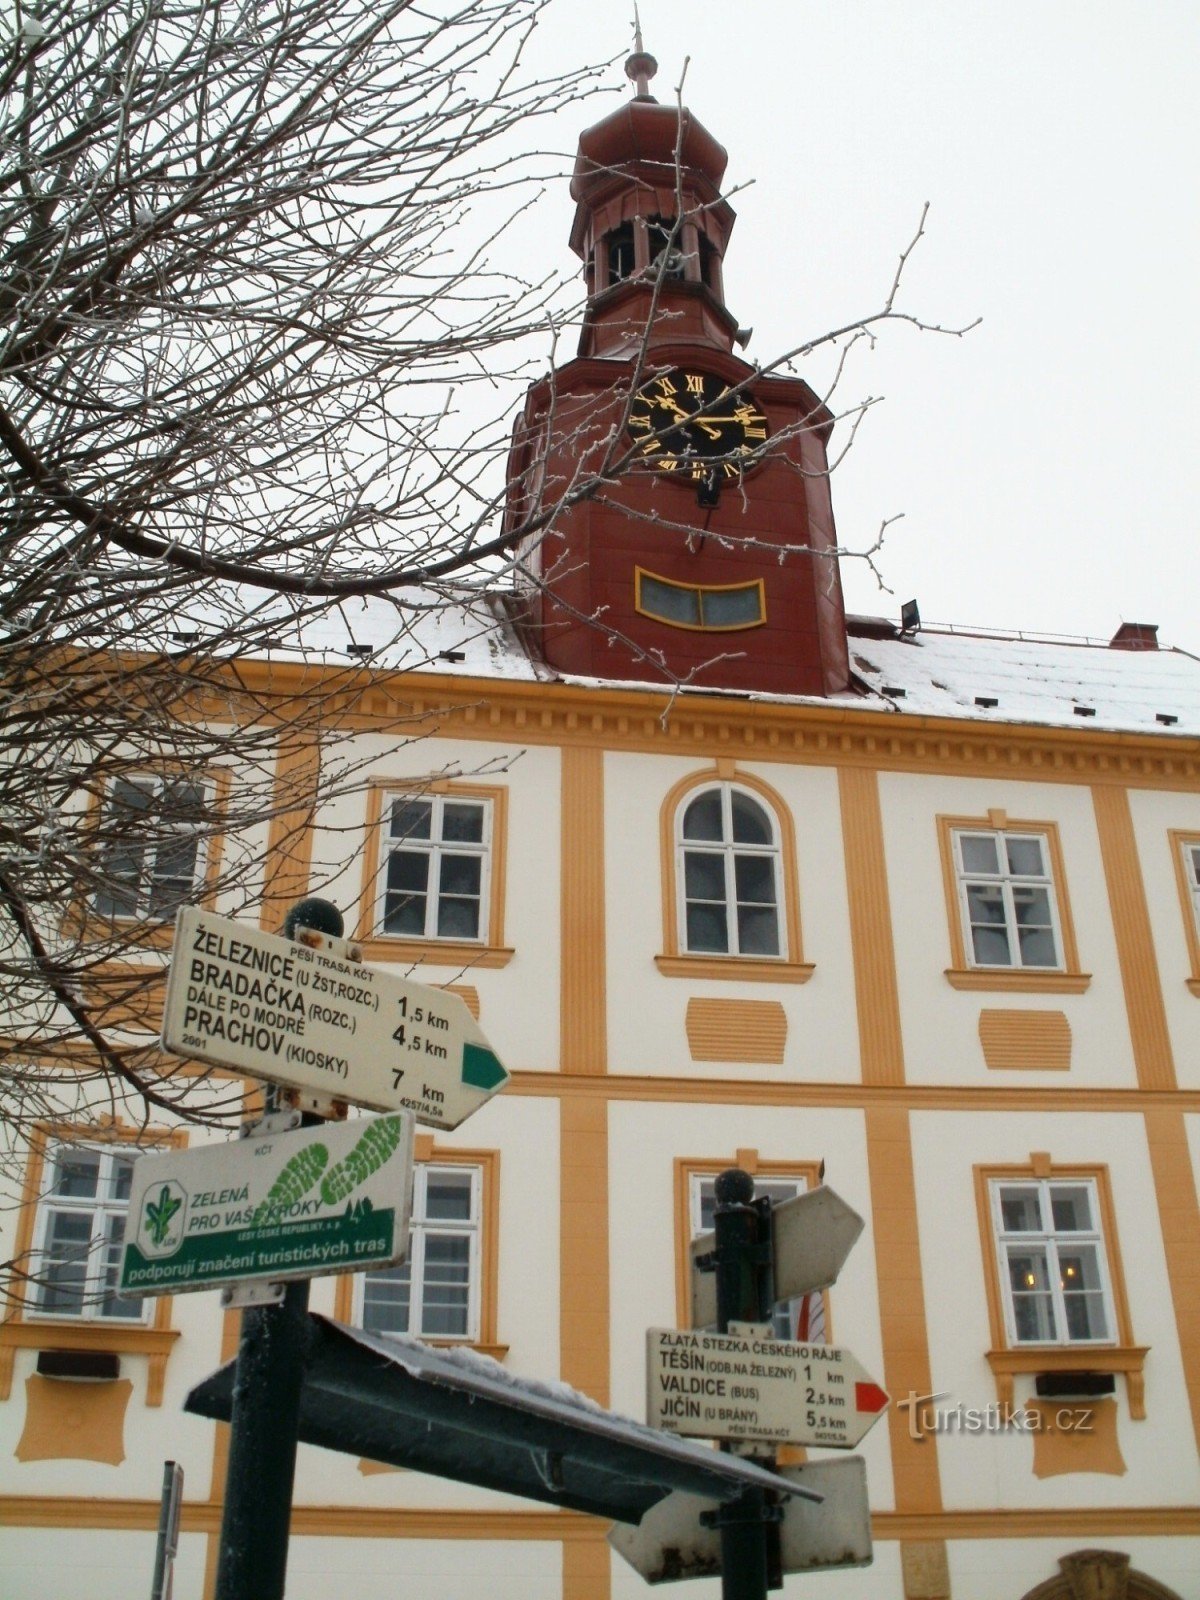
(469, 631)
(1058, 683)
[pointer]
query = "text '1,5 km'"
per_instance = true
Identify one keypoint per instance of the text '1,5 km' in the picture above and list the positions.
(304, 1016)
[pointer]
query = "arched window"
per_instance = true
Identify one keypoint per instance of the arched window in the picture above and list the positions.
(728, 875)
(731, 905)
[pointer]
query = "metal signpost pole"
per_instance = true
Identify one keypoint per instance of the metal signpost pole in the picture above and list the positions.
(743, 1257)
(255, 1520)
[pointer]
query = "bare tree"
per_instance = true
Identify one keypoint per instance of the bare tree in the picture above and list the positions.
(258, 358)
(248, 282)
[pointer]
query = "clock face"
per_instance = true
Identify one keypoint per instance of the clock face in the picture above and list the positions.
(690, 424)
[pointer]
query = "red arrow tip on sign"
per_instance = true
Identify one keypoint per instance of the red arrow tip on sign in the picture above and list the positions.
(869, 1397)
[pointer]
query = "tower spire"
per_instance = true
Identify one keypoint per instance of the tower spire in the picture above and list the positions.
(641, 66)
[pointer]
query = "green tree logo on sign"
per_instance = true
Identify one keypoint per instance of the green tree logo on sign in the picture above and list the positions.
(162, 1219)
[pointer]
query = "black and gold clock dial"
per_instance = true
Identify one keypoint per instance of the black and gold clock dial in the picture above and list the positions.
(690, 424)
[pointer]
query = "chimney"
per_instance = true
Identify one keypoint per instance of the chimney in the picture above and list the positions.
(1135, 636)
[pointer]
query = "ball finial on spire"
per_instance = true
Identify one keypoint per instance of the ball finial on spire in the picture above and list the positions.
(641, 66)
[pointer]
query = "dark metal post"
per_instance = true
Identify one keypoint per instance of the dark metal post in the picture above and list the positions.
(262, 1449)
(267, 1386)
(167, 1542)
(743, 1260)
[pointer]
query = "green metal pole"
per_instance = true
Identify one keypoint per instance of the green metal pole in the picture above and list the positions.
(267, 1388)
(743, 1291)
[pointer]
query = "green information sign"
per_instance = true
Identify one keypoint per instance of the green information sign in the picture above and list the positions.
(274, 1207)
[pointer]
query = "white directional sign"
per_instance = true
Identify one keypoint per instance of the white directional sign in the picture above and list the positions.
(812, 1236)
(304, 1016)
(270, 1207)
(713, 1386)
(671, 1542)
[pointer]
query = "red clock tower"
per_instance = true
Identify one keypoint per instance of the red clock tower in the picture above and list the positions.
(708, 553)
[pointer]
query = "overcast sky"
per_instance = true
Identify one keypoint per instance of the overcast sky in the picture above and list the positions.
(1046, 465)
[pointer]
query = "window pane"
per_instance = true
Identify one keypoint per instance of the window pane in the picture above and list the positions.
(702, 819)
(76, 1173)
(134, 799)
(729, 608)
(461, 874)
(405, 900)
(750, 822)
(463, 823)
(1037, 947)
(114, 1304)
(408, 870)
(1083, 1295)
(445, 1300)
(1020, 1210)
(978, 852)
(990, 946)
(755, 879)
(707, 929)
(1031, 907)
(758, 932)
(669, 601)
(1033, 1308)
(121, 1178)
(985, 903)
(173, 876)
(458, 919)
(386, 1300)
(124, 860)
(1035, 934)
(62, 1273)
(448, 1196)
(703, 876)
(182, 801)
(411, 819)
(1024, 856)
(1071, 1207)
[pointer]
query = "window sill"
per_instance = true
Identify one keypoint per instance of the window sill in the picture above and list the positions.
(1034, 1359)
(435, 952)
(123, 1339)
(746, 969)
(1019, 980)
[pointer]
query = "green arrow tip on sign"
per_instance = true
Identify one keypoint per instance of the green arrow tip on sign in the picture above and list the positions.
(480, 1068)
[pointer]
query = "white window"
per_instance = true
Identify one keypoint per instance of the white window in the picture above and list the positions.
(1053, 1270)
(802, 1319)
(79, 1232)
(435, 1294)
(1006, 895)
(729, 874)
(1191, 874)
(151, 847)
(435, 870)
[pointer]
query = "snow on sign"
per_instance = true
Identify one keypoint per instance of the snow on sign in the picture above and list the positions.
(672, 1541)
(304, 1016)
(270, 1206)
(713, 1386)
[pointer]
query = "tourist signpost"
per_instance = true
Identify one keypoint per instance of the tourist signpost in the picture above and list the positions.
(743, 1387)
(713, 1386)
(302, 1015)
(285, 1204)
(270, 1207)
(811, 1236)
